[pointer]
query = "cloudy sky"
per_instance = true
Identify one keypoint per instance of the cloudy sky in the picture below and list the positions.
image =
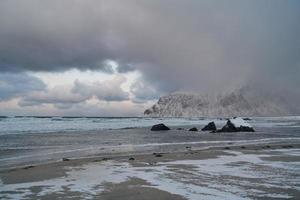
(116, 57)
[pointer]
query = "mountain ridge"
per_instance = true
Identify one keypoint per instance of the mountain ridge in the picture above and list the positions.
(241, 102)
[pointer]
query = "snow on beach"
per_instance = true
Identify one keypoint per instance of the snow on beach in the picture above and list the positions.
(235, 175)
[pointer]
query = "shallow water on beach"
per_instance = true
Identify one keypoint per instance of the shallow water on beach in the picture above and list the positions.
(34, 140)
(233, 175)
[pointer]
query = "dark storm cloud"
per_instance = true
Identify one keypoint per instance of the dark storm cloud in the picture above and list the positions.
(177, 45)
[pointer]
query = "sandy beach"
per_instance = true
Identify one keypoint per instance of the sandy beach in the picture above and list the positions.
(149, 100)
(233, 172)
(137, 163)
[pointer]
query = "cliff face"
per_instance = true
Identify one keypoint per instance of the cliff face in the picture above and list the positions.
(241, 102)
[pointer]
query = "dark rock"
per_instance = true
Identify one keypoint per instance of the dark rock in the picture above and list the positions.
(65, 159)
(211, 126)
(247, 119)
(180, 129)
(243, 147)
(227, 148)
(287, 146)
(193, 129)
(188, 148)
(160, 127)
(131, 158)
(28, 167)
(229, 127)
(246, 129)
(157, 154)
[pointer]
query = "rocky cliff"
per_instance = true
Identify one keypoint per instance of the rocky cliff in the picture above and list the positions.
(242, 102)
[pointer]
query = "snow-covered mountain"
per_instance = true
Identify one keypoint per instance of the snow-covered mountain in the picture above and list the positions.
(242, 102)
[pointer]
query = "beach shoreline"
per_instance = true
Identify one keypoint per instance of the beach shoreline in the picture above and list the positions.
(60, 170)
(137, 163)
(181, 148)
(40, 148)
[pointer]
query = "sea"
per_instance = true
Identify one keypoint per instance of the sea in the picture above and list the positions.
(29, 140)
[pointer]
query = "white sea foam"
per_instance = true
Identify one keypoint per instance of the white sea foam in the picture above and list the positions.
(24, 125)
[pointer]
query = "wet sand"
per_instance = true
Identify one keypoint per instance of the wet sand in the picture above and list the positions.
(38, 148)
(266, 171)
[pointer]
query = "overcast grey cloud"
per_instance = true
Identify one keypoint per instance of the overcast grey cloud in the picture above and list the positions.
(60, 96)
(109, 90)
(143, 91)
(65, 97)
(15, 85)
(177, 45)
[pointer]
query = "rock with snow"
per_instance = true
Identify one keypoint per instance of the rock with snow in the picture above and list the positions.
(236, 124)
(160, 127)
(211, 126)
(239, 122)
(229, 127)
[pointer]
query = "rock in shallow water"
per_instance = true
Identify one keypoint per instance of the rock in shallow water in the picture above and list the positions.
(193, 129)
(229, 127)
(237, 125)
(247, 119)
(246, 129)
(160, 127)
(211, 126)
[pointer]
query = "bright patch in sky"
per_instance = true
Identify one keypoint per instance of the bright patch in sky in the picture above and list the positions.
(88, 92)
(52, 79)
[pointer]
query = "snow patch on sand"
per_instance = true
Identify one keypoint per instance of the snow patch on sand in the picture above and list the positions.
(233, 176)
